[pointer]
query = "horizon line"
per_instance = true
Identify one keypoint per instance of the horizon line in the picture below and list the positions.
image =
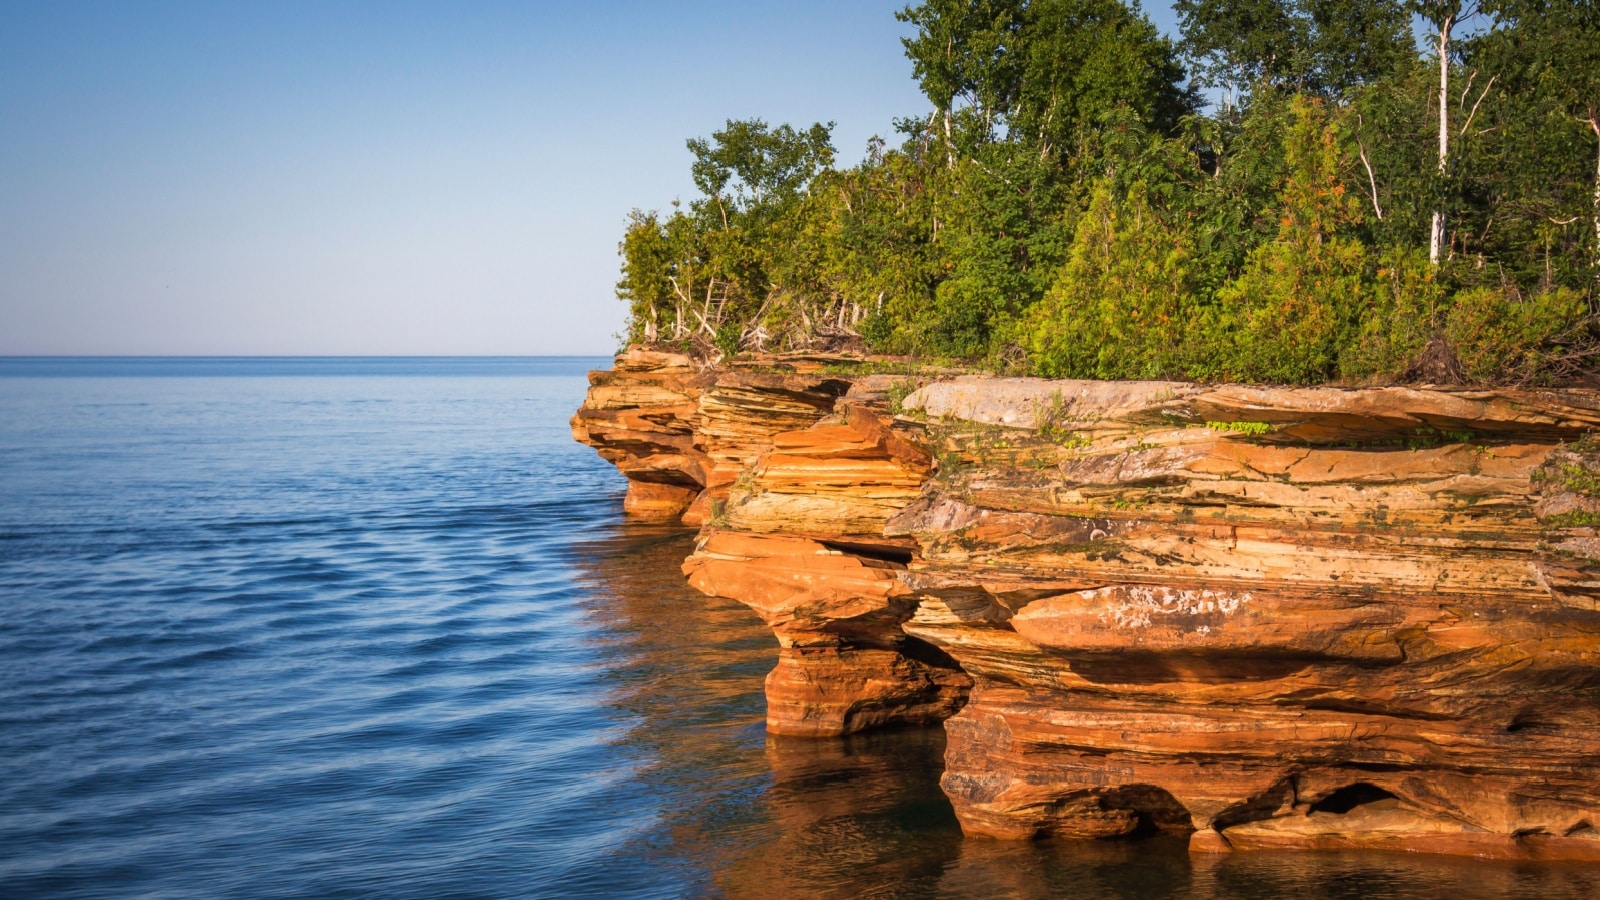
(245, 356)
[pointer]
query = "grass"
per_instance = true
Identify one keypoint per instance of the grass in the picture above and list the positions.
(1250, 428)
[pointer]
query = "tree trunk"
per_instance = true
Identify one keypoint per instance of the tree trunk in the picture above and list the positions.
(949, 141)
(1436, 238)
(1594, 125)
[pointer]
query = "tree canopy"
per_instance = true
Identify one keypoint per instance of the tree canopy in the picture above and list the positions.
(1358, 203)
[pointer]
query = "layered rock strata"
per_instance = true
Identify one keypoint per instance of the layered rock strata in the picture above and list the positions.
(1265, 617)
(682, 433)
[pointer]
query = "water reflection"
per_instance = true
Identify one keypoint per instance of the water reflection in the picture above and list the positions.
(727, 810)
(857, 816)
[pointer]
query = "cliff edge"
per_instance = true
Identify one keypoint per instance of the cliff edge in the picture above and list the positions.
(1264, 617)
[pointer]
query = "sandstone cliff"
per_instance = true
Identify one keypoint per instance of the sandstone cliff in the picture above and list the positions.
(1265, 617)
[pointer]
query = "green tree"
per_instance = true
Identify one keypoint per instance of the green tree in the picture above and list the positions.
(1539, 168)
(1004, 229)
(750, 171)
(1327, 47)
(666, 279)
(1363, 211)
(1039, 72)
(1287, 315)
(1123, 305)
(854, 256)
(964, 57)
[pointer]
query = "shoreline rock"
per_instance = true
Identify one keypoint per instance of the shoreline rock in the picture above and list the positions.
(1262, 617)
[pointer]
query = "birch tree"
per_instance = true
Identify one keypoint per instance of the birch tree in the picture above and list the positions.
(1445, 16)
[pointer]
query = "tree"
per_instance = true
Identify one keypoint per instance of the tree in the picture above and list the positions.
(1290, 312)
(1445, 16)
(1238, 43)
(854, 258)
(1085, 60)
(1123, 305)
(750, 169)
(666, 278)
(1366, 210)
(1554, 49)
(1326, 47)
(963, 57)
(1039, 72)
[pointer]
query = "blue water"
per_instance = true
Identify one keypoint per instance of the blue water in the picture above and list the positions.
(375, 627)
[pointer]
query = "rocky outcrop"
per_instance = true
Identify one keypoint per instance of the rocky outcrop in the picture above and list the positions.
(682, 433)
(1263, 617)
(801, 541)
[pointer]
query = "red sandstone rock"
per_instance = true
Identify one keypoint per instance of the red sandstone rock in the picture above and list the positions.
(652, 500)
(682, 434)
(1263, 617)
(844, 664)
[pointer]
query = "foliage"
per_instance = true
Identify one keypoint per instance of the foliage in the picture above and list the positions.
(1038, 73)
(1504, 338)
(750, 172)
(1404, 312)
(1064, 207)
(1295, 304)
(1254, 429)
(1324, 47)
(1005, 233)
(1123, 302)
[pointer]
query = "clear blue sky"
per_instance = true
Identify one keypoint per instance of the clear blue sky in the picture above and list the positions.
(300, 177)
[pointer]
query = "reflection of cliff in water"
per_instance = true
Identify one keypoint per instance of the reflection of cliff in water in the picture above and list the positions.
(753, 814)
(849, 816)
(725, 809)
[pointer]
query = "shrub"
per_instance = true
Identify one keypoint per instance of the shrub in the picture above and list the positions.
(1405, 310)
(1121, 304)
(1286, 316)
(1501, 338)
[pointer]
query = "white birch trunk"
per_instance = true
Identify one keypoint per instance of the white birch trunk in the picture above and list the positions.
(949, 142)
(1436, 238)
(1594, 125)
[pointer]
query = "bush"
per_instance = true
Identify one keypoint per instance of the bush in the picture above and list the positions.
(1121, 305)
(1405, 311)
(1287, 315)
(1501, 338)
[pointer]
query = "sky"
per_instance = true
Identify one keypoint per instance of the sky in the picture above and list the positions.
(319, 177)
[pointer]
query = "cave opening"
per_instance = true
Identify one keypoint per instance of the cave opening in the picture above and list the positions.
(888, 553)
(1156, 810)
(1528, 721)
(1351, 797)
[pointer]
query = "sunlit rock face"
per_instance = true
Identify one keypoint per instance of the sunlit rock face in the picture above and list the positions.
(640, 415)
(1263, 617)
(682, 433)
(801, 541)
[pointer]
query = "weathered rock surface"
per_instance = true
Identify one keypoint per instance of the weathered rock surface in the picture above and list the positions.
(1262, 617)
(809, 554)
(681, 434)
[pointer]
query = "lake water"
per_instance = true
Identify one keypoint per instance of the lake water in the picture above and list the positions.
(377, 628)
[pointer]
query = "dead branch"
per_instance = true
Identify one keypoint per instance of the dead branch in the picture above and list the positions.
(1465, 125)
(1371, 180)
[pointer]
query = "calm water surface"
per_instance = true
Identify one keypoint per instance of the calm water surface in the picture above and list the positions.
(376, 628)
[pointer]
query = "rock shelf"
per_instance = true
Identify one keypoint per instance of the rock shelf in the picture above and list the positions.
(1263, 617)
